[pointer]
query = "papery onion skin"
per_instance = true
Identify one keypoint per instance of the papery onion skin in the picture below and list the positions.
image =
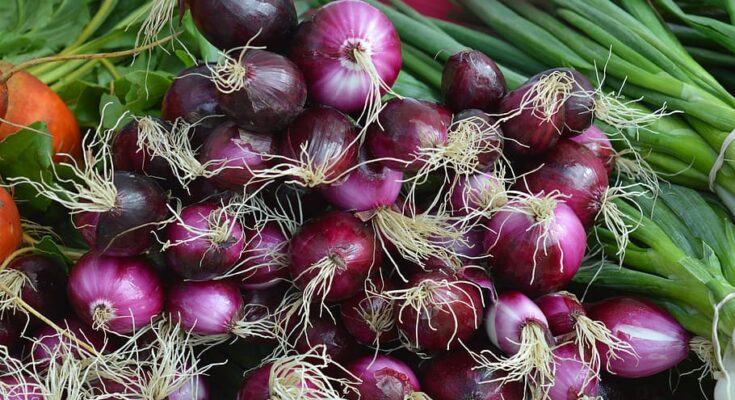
(323, 45)
(128, 286)
(128, 156)
(45, 287)
(382, 378)
(561, 310)
(576, 172)
(264, 256)
(345, 239)
(205, 307)
(450, 319)
(659, 342)
(242, 152)
(506, 319)
(127, 229)
(199, 257)
(471, 79)
(520, 260)
(323, 331)
(406, 126)
(573, 377)
(48, 340)
(453, 376)
(273, 95)
(196, 389)
(356, 324)
(595, 140)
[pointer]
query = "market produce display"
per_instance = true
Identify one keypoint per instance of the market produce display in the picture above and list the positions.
(363, 199)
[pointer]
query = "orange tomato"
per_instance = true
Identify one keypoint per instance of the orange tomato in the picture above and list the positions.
(10, 229)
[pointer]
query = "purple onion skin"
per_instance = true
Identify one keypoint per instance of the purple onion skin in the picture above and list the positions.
(467, 193)
(506, 318)
(452, 376)
(371, 185)
(573, 377)
(127, 229)
(574, 171)
(200, 258)
(337, 342)
(658, 340)
(406, 126)
(493, 136)
(25, 389)
(265, 271)
(127, 156)
(595, 140)
(127, 285)
(344, 238)
(261, 304)
(242, 151)
(470, 253)
(50, 340)
(274, 93)
(443, 326)
(205, 307)
(10, 331)
(355, 323)
(196, 389)
(561, 310)
(323, 46)
(472, 80)
(512, 245)
(45, 289)
(192, 97)
(578, 114)
(256, 384)
(329, 137)
(234, 23)
(383, 378)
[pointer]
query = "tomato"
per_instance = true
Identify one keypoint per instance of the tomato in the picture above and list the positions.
(10, 229)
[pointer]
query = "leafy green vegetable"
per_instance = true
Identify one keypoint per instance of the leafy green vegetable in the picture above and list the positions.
(27, 153)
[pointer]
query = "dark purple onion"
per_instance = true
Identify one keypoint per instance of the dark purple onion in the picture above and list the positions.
(128, 156)
(273, 95)
(598, 143)
(48, 342)
(364, 317)
(492, 140)
(323, 331)
(472, 80)
(119, 293)
(10, 330)
(406, 126)
(658, 341)
(127, 229)
(328, 138)
(449, 319)
(573, 376)
(44, 286)
(579, 107)
(344, 240)
(574, 171)
(256, 384)
(235, 23)
(241, 151)
(479, 192)
(264, 258)
(382, 377)
(561, 310)
(206, 307)
(194, 256)
(259, 305)
(531, 255)
(454, 376)
(195, 389)
(192, 97)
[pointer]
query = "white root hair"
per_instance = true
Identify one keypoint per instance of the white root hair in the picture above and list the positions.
(264, 327)
(362, 60)
(588, 333)
(229, 75)
(219, 228)
(13, 281)
(620, 224)
(158, 17)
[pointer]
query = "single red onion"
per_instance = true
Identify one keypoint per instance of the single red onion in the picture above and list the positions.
(594, 139)
(331, 256)
(573, 377)
(383, 377)
(658, 341)
(127, 155)
(368, 316)
(350, 54)
(205, 307)
(535, 245)
(119, 294)
(37, 280)
(406, 127)
(455, 376)
(265, 258)
(25, 388)
(125, 230)
(235, 155)
(574, 171)
(47, 342)
(195, 389)
(205, 242)
(486, 137)
(332, 335)
(481, 194)
(562, 310)
(10, 331)
(472, 80)
(437, 311)
(323, 143)
(193, 97)
(269, 94)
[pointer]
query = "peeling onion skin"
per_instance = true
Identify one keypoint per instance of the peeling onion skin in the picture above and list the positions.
(383, 378)
(471, 79)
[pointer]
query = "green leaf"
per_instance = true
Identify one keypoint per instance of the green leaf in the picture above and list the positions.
(110, 110)
(49, 248)
(142, 91)
(27, 153)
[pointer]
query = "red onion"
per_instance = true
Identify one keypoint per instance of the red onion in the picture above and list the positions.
(368, 316)
(574, 171)
(407, 127)
(594, 139)
(350, 55)
(196, 389)
(454, 376)
(480, 194)
(265, 257)
(37, 280)
(468, 250)
(658, 341)
(234, 155)
(10, 331)
(234, 23)
(580, 105)
(47, 341)
(260, 307)
(262, 91)
(437, 311)
(127, 155)
(332, 335)
(383, 377)
(24, 388)
(573, 378)
(204, 243)
(193, 97)
(485, 140)
(536, 245)
(119, 294)
(205, 308)
(472, 80)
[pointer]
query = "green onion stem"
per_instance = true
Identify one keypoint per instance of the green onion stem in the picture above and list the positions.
(422, 66)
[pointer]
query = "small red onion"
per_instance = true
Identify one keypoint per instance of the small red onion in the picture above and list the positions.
(120, 294)
(264, 258)
(206, 241)
(573, 377)
(127, 155)
(406, 126)
(195, 389)
(206, 307)
(383, 377)
(535, 245)
(26, 388)
(350, 55)
(594, 139)
(40, 282)
(658, 341)
(47, 341)
(368, 316)
(332, 335)
(479, 193)
(490, 141)
(562, 310)
(472, 80)
(193, 97)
